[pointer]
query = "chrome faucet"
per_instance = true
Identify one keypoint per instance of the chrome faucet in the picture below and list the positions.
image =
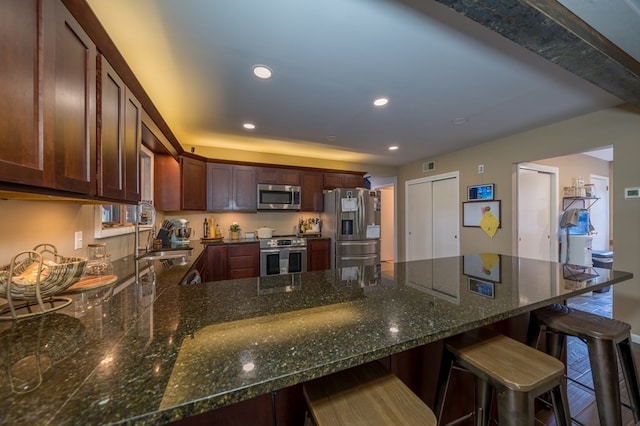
(152, 234)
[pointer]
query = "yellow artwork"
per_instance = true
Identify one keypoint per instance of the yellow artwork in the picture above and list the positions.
(489, 223)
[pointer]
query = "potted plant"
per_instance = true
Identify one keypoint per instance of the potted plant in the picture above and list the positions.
(234, 231)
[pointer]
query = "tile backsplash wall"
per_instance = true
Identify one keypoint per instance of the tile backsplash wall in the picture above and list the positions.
(25, 224)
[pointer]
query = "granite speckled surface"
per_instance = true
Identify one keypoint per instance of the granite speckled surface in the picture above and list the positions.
(149, 351)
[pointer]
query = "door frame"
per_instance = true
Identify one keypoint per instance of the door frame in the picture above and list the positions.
(443, 176)
(554, 206)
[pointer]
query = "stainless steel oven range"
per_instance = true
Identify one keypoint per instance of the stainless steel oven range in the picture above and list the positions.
(283, 255)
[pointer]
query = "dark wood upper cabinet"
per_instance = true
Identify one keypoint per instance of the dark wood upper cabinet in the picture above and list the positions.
(132, 144)
(23, 157)
(278, 176)
(231, 188)
(193, 181)
(166, 183)
(343, 180)
(312, 199)
(119, 137)
(47, 98)
(111, 153)
(70, 103)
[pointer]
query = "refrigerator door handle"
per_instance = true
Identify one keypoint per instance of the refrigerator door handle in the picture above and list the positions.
(373, 256)
(358, 243)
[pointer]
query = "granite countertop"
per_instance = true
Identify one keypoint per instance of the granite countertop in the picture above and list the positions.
(147, 351)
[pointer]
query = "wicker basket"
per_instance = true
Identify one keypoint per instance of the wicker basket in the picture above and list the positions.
(34, 275)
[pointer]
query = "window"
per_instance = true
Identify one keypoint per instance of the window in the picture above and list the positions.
(119, 219)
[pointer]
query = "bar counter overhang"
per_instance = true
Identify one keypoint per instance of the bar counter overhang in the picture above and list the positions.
(154, 351)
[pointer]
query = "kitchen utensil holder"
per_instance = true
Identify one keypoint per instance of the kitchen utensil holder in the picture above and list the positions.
(32, 282)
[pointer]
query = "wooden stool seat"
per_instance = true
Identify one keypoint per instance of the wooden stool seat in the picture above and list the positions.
(606, 339)
(366, 395)
(519, 374)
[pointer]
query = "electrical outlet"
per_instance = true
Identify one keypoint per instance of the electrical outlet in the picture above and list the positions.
(78, 240)
(480, 168)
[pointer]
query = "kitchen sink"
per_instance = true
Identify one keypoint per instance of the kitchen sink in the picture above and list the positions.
(165, 254)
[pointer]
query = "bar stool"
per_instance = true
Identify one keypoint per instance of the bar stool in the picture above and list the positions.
(603, 336)
(366, 395)
(519, 374)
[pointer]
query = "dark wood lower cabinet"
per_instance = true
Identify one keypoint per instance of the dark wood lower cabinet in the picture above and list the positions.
(318, 254)
(217, 263)
(229, 261)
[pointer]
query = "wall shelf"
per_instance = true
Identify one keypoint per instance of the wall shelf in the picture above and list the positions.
(578, 202)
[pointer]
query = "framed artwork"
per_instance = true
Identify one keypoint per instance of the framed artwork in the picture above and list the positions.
(483, 288)
(484, 266)
(472, 212)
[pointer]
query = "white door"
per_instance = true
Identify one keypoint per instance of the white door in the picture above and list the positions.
(599, 213)
(432, 217)
(537, 225)
(446, 217)
(418, 220)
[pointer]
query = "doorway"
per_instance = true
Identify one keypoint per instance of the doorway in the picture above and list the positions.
(432, 217)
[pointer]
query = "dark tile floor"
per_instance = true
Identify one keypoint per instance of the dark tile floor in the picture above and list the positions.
(581, 398)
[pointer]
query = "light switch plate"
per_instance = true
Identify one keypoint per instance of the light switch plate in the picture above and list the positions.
(78, 240)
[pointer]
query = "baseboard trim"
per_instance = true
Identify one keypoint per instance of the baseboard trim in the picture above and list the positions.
(635, 338)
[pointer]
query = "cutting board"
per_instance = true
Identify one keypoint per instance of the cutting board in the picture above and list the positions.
(90, 282)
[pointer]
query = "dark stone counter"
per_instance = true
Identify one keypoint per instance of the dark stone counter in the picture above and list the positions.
(149, 351)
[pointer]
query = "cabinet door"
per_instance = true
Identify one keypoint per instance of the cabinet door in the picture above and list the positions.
(166, 183)
(110, 145)
(318, 254)
(193, 183)
(132, 143)
(219, 187)
(278, 176)
(24, 158)
(244, 261)
(311, 192)
(70, 103)
(245, 189)
(217, 259)
(342, 180)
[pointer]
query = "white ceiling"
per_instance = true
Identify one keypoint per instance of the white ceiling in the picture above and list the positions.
(331, 59)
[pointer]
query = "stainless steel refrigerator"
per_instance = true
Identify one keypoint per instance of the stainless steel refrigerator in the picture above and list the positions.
(352, 220)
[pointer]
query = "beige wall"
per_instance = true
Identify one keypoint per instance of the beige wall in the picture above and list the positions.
(618, 127)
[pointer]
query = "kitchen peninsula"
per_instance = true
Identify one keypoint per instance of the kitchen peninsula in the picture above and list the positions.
(150, 351)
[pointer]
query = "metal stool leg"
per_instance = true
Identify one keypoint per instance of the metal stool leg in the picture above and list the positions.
(483, 401)
(630, 376)
(514, 408)
(444, 375)
(560, 401)
(604, 367)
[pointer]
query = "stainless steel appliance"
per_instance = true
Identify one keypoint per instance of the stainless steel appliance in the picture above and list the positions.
(278, 197)
(181, 232)
(352, 220)
(283, 255)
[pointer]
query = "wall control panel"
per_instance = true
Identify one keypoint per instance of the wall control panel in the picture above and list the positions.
(632, 192)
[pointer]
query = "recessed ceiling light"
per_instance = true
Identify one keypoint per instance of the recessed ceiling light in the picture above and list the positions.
(381, 102)
(249, 126)
(262, 71)
(393, 148)
(459, 120)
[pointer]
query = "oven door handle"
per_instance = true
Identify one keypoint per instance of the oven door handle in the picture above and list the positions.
(270, 251)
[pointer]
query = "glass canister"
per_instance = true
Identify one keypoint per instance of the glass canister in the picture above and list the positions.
(98, 260)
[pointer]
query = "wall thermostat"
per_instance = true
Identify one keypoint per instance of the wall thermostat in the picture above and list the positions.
(480, 192)
(632, 192)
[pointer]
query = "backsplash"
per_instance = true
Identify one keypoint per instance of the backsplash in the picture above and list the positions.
(24, 224)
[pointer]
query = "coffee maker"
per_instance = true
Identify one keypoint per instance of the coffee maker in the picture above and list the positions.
(181, 232)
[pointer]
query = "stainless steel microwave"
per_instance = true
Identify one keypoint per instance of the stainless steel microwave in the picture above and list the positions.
(278, 197)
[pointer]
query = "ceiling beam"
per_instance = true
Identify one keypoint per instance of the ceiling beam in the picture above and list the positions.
(552, 31)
